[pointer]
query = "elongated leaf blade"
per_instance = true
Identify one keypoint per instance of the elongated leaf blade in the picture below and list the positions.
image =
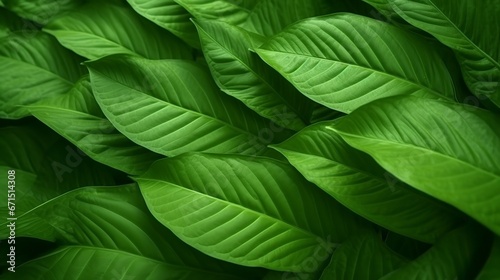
(169, 15)
(344, 61)
(34, 67)
(116, 218)
(82, 31)
(455, 256)
(468, 28)
(362, 257)
(172, 107)
(234, 12)
(103, 264)
(241, 74)
(449, 151)
(41, 11)
(77, 117)
(357, 181)
(246, 210)
(45, 166)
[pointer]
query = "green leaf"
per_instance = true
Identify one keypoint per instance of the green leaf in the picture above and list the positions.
(243, 75)
(455, 256)
(234, 12)
(344, 61)
(82, 31)
(41, 11)
(265, 20)
(172, 107)
(491, 270)
(45, 166)
(358, 182)
(449, 151)
(34, 67)
(116, 218)
(83, 262)
(10, 22)
(246, 210)
(77, 117)
(362, 257)
(468, 27)
(169, 15)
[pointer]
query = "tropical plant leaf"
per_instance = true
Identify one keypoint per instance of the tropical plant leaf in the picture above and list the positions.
(449, 151)
(34, 66)
(246, 210)
(357, 181)
(344, 61)
(77, 117)
(103, 263)
(45, 166)
(82, 31)
(117, 218)
(491, 270)
(234, 12)
(41, 11)
(455, 256)
(264, 19)
(468, 28)
(243, 75)
(169, 15)
(10, 22)
(172, 107)
(362, 257)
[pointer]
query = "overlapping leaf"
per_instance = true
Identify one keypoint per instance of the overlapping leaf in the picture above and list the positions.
(449, 151)
(34, 67)
(41, 11)
(116, 218)
(45, 166)
(97, 29)
(99, 263)
(247, 210)
(358, 182)
(241, 74)
(77, 117)
(362, 257)
(344, 61)
(234, 12)
(172, 107)
(169, 15)
(455, 256)
(468, 27)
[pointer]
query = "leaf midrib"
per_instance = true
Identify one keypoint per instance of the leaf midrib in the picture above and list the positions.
(363, 68)
(59, 77)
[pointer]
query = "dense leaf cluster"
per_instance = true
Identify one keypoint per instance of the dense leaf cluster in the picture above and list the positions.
(251, 139)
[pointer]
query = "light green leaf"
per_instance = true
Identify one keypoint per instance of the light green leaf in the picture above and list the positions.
(453, 257)
(169, 15)
(357, 181)
(344, 61)
(34, 67)
(362, 257)
(45, 166)
(468, 27)
(126, 33)
(234, 12)
(77, 117)
(449, 151)
(265, 20)
(172, 107)
(41, 11)
(243, 75)
(116, 218)
(83, 262)
(246, 210)
(491, 270)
